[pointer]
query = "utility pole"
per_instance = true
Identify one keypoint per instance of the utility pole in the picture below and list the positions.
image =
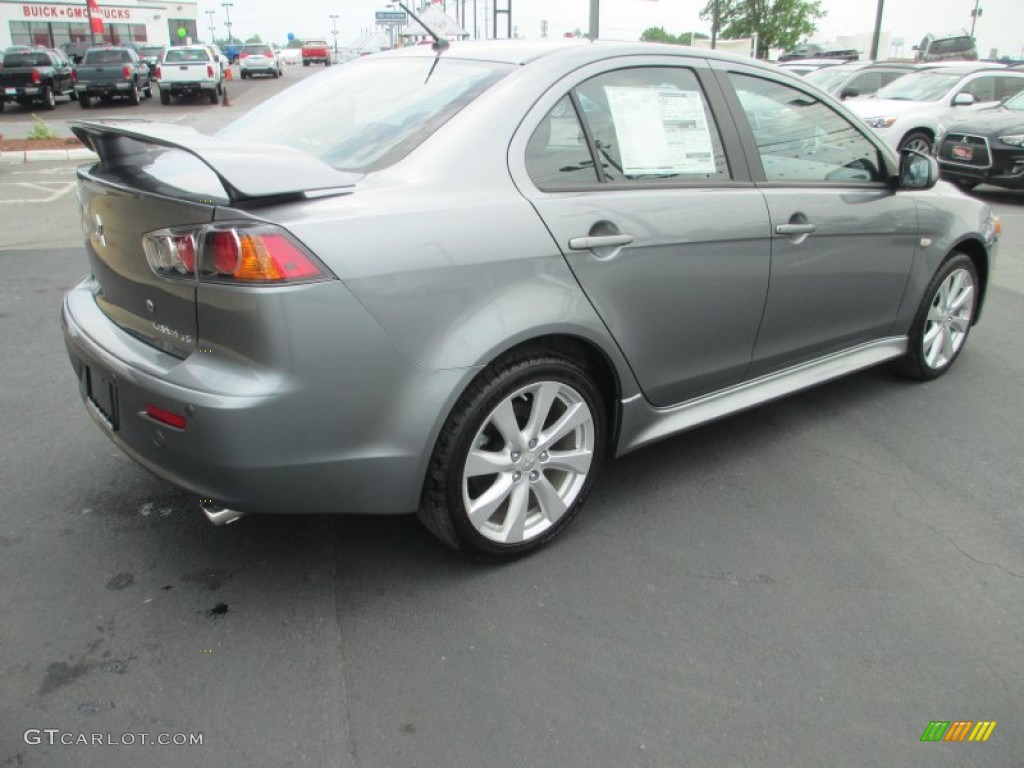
(595, 19)
(878, 31)
(975, 14)
(334, 31)
(213, 34)
(714, 27)
(227, 23)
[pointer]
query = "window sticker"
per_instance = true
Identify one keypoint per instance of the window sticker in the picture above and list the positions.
(661, 131)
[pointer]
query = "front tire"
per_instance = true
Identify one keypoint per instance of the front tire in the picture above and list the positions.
(943, 320)
(517, 456)
(918, 141)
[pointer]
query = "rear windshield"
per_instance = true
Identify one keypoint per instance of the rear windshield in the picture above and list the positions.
(187, 54)
(369, 113)
(316, 44)
(107, 57)
(262, 50)
(952, 45)
(27, 60)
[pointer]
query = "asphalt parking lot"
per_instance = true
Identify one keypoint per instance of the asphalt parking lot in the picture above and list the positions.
(807, 584)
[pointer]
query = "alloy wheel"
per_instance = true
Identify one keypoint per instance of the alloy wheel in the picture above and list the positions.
(949, 319)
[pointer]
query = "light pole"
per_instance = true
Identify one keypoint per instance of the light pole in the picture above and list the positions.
(213, 34)
(227, 22)
(975, 14)
(334, 31)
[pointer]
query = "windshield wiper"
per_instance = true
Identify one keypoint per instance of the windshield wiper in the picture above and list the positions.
(440, 44)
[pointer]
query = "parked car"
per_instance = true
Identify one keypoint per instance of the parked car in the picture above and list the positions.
(803, 67)
(259, 59)
(190, 70)
(985, 147)
(316, 52)
(35, 76)
(110, 72)
(955, 47)
(812, 51)
(908, 113)
(459, 287)
(858, 78)
(151, 55)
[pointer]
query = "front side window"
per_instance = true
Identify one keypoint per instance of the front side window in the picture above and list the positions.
(919, 86)
(800, 139)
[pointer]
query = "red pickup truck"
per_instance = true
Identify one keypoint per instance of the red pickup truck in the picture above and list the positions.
(316, 52)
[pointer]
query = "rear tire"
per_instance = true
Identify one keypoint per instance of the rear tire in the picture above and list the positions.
(214, 98)
(517, 456)
(135, 97)
(943, 320)
(165, 97)
(49, 99)
(84, 101)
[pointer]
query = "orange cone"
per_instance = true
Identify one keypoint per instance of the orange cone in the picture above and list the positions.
(227, 74)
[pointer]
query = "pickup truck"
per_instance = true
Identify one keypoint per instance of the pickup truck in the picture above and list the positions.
(189, 70)
(108, 72)
(316, 52)
(35, 76)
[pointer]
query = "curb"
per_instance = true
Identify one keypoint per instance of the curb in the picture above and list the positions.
(44, 155)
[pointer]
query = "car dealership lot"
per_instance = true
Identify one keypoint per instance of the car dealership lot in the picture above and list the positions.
(809, 583)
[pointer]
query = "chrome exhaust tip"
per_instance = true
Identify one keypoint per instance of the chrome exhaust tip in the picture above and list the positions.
(219, 515)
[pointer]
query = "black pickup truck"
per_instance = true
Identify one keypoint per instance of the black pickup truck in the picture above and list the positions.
(105, 73)
(36, 76)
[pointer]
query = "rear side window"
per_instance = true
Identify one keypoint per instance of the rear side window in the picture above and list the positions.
(652, 124)
(801, 139)
(557, 153)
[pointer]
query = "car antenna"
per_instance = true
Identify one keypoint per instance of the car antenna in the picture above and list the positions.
(440, 44)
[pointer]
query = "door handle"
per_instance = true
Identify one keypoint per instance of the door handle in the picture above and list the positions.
(795, 229)
(599, 241)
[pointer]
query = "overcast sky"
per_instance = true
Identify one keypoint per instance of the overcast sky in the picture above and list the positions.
(1000, 26)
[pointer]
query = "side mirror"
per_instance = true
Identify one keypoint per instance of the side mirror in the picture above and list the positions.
(849, 93)
(963, 100)
(917, 170)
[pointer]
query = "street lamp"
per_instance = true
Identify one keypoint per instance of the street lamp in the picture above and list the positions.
(213, 34)
(227, 23)
(334, 31)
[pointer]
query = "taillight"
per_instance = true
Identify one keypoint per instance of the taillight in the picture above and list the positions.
(74, 75)
(243, 56)
(126, 71)
(156, 73)
(232, 253)
(37, 76)
(209, 70)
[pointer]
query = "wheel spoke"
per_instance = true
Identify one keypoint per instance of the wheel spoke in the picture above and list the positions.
(551, 504)
(962, 298)
(577, 414)
(543, 398)
(486, 463)
(576, 461)
(514, 529)
(481, 508)
(934, 348)
(931, 333)
(934, 314)
(504, 420)
(960, 324)
(948, 349)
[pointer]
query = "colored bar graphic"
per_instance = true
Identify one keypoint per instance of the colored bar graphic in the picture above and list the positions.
(958, 730)
(983, 730)
(935, 731)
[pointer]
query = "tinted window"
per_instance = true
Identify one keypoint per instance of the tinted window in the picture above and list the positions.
(107, 57)
(557, 153)
(981, 88)
(262, 50)
(1008, 86)
(652, 124)
(801, 139)
(186, 55)
(27, 60)
(369, 113)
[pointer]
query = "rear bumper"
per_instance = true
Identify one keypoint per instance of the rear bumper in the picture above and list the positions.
(103, 89)
(299, 438)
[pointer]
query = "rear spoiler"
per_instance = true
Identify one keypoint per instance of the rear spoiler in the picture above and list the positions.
(248, 172)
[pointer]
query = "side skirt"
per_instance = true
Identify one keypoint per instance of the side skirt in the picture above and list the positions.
(643, 423)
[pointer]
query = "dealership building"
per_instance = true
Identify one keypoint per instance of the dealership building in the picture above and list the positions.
(66, 25)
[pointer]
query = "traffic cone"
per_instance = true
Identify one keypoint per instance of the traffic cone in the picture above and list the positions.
(228, 75)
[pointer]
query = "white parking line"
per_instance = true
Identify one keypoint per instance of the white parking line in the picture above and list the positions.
(54, 191)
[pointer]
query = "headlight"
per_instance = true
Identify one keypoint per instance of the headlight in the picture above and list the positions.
(879, 122)
(1014, 139)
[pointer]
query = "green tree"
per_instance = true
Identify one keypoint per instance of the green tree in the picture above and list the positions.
(255, 39)
(777, 23)
(294, 43)
(659, 35)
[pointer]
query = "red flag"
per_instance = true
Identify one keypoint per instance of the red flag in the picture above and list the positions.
(95, 19)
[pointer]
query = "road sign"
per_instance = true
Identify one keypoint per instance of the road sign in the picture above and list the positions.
(391, 17)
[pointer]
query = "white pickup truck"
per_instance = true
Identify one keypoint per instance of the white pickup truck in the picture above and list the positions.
(189, 70)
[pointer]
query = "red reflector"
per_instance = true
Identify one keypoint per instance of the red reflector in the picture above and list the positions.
(74, 75)
(37, 76)
(126, 71)
(289, 260)
(166, 417)
(209, 70)
(225, 251)
(156, 73)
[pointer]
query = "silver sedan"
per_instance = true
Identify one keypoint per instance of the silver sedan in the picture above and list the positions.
(468, 276)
